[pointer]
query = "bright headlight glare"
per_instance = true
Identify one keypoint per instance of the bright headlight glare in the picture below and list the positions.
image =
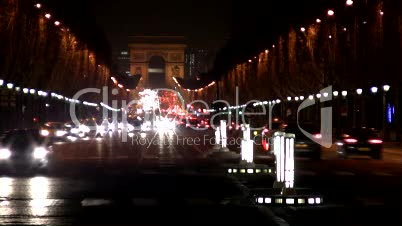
(74, 130)
(5, 153)
(44, 132)
(39, 153)
(60, 133)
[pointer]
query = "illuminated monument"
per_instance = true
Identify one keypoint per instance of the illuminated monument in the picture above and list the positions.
(157, 59)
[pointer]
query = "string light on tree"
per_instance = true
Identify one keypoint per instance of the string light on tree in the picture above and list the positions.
(302, 29)
(349, 2)
(318, 20)
(330, 12)
(48, 16)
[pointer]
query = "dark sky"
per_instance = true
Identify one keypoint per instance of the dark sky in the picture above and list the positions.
(203, 22)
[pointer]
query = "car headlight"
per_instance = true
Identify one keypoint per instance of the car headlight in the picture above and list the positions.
(40, 153)
(60, 133)
(74, 130)
(5, 153)
(44, 132)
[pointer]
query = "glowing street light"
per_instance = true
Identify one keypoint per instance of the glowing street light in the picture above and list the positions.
(296, 98)
(48, 16)
(386, 88)
(381, 13)
(302, 29)
(120, 85)
(249, 61)
(57, 23)
(1, 82)
(359, 91)
(330, 12)
(349, 2)
(344, 93)
(25, 90)
(32, 91)
(17, 89)
(336, 93)
(278, 101)
(374, 89)
(301, 97)
(289, 98)
(310, 97)
(10, 85)
(325, 94)
(266, 51)
(318, 95)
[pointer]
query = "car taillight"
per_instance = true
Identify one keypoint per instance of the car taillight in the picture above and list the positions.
(375, 141)
(317, 136)
(350, 140)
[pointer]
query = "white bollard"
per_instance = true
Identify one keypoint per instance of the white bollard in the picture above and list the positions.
(285, 165)
(224, 136)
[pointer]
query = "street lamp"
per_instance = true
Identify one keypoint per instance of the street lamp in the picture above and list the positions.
(310, 97)
(25, 90)
(17, 89)
(32, 91)
(330, 12)
(359, 91)
(296, 98)
(10, 85)
(301, 97)
(349, 2)
(374, 89)
(289, 98)
(386, 88)
(1, 82)
(318, 95)
(278, 101)
(344, 93)
(325, 94)
(336, 93)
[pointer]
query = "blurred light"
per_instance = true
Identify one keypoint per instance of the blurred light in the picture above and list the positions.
(39, 153)
(330, 36)
(349, 2)
(1, 82)
(310, 201)
(290, 201)
(266, 51)
(48, 16)
(330, 12)
(120, 85)
(131, 135)
(375, 141)
(364, 22)
(17, 89)
(374, 89)
(289, 98)
(268, 200)
(127, 90)
(317, 200)
(47, 105)
(336, 93)
(32, 91)
(351, 140)
(25, 90)
(344, 28)
(296, 98)
(38, 5)
(5, 153)
(143, 135)
(344, 93)
(301, 97)
(318, 20)
(302, 29)
(57, 23)
(381, 13)
(310, 97)
(273, 46)
(386, 88)
(60, 133)
(325, 94)
(44, 132)
(249, 61)
(72, 138)
(10, 85)
(318, 95)
(359, 91)
(278, 101)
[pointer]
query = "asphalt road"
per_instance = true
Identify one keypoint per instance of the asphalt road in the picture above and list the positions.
(169, 179)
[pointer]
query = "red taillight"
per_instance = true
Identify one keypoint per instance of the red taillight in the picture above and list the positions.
(350, 140)
(317, 136)
(375, 141)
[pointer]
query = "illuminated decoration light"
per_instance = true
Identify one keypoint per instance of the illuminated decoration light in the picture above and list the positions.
(273, 46)
(310, 97)
(57, 23)
(17, 89)
(120, 85)
(217, 136)
(223, 133)
(277, 101)
(266, 51)
(38, 5)
(374, 89)
(310, 200)
(260, 200)
(25, 90)
(32, 91)
(318, 20)
(302, 29)
(301, 97)
(108, 107)
(265, 102)
(114, 80)
(249, 61)
(330, 36)
(90, 104)
(289, 98)
(344, 93)
(296, 98)
(325, 94)
(267, 200)
(359, 91)
(381, 13)
(344, 29)
(10, 85)
(386, 88)
(1, 82)
(247, 145)
(128, 90)
(364, 22)
(336, 93)
(330, 12)
(317, 200)
(290, 201)
(48, 16)
(318, 95)
(349, 2)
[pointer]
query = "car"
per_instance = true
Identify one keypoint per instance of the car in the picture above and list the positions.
(56, 131)
(360, 141)
(24, 149)
(303, 146)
